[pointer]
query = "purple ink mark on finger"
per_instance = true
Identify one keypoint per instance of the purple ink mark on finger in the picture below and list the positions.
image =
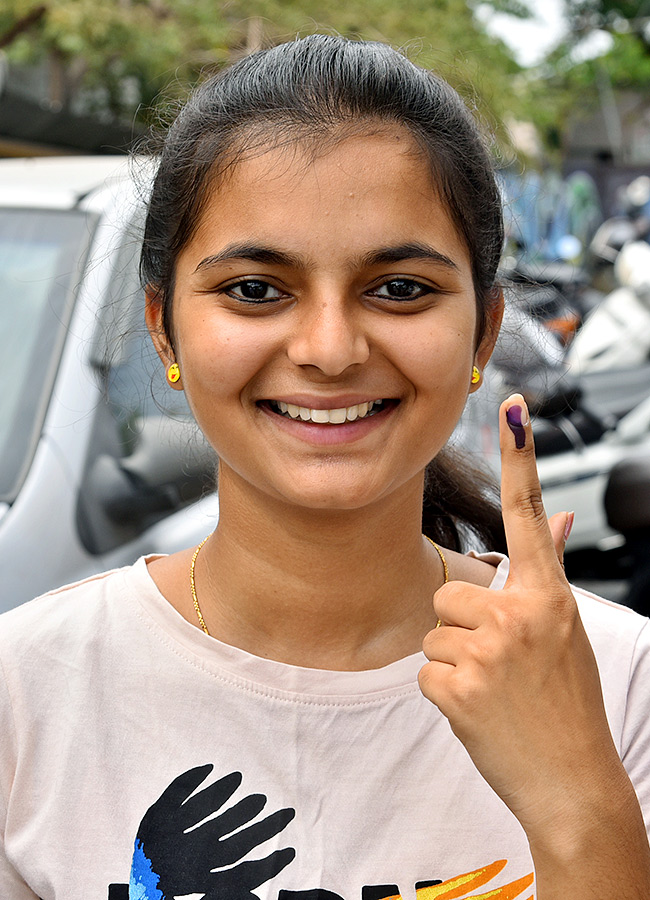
(513, 418)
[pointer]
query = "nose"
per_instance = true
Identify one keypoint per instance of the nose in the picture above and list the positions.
(330, 337)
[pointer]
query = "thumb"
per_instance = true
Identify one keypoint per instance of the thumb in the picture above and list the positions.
(560, 526)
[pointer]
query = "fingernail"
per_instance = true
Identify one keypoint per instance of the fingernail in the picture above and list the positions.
(517, 419)
(569, 525)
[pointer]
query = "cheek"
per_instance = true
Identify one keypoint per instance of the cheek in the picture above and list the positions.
(220, 359)
(438, 356)
(437, 361)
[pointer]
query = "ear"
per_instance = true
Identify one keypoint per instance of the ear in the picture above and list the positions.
(153, 316)
(493, 317)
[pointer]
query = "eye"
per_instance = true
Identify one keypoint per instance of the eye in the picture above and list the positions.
(253, 290)
(401, 289)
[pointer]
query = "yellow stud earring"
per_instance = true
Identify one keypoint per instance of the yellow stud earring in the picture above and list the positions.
(173, 373)
(476, 375)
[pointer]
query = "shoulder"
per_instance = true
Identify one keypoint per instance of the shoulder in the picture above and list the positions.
(55, 622)
(474, 568)
(599, 612)
(619, 636)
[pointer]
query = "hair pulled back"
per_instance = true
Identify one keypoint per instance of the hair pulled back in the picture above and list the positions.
(316, 90)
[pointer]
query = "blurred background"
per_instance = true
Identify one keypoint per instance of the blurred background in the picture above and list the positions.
(564, 92)
(564, 84)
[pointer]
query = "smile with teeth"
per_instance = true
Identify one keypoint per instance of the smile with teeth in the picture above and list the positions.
(328, 416)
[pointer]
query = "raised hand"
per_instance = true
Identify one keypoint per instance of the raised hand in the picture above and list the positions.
(176, 851)
(515, 674)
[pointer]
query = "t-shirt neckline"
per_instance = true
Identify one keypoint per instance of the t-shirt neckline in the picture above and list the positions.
(268, 675)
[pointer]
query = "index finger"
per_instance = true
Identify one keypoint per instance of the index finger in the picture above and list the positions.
(530, 543)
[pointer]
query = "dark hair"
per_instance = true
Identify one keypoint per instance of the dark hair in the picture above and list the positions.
(318, 89)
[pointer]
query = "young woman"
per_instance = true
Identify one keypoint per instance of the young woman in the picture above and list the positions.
(244, 719)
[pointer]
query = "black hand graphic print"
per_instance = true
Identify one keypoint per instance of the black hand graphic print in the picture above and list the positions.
(178, 850)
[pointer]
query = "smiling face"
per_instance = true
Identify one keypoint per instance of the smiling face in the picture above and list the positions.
(325, 322)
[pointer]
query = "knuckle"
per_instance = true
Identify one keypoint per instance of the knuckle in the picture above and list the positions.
(428, 644)
(531, 618)
(514, 621)
(426, 681)
(480, 652)
(445, 591)
(446, 596)
(528, 503)
(467, 690)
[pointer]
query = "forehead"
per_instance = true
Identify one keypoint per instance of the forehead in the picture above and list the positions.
(362, 190)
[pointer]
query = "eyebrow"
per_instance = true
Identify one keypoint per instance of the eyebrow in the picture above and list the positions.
(414, 250)
(261, 254)
(252, 252)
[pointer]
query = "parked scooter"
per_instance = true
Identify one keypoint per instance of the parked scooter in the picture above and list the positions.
(627, 506)
(577, 479)
(631, 223)
(579, 424)
(569, 411)
(616, 335)
(550, 291)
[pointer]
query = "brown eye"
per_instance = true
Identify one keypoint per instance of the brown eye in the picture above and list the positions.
(401, 289)
(253, 291)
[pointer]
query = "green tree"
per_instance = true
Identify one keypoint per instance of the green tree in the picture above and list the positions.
(583, 16)
(122, 55)
(627, 63)
(567, 81)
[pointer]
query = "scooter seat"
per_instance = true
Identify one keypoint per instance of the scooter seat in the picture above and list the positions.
(564, 433)
(627, 496)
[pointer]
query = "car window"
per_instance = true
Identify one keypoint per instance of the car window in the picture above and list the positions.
(41, 252)
(145, 455)
(134, 383)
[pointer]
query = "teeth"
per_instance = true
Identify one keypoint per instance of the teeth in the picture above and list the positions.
(337, 416)
(328, 416)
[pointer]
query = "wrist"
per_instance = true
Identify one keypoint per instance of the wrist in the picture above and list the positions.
(593, 844)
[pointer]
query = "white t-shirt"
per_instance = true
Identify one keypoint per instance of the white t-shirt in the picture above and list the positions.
(114, 710)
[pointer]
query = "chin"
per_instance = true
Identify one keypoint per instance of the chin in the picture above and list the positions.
(327, 493)
(323, 487)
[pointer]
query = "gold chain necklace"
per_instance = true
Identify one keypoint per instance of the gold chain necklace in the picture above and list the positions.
(195, 599)
(445, 568)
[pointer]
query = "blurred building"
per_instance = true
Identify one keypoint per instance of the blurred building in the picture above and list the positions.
(610, 139)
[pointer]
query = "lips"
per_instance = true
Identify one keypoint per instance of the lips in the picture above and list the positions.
(334, 416)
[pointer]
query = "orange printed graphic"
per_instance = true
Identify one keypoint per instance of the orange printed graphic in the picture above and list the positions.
(463, 885)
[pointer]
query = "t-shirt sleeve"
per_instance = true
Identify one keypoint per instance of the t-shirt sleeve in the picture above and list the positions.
(635, 743)
(12, 885)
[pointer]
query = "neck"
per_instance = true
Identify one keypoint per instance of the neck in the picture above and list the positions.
(344, 589)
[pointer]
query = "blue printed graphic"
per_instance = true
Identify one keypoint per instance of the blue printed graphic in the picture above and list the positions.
(143, 884)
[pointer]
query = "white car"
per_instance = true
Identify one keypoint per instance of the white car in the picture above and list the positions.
(94, 472)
